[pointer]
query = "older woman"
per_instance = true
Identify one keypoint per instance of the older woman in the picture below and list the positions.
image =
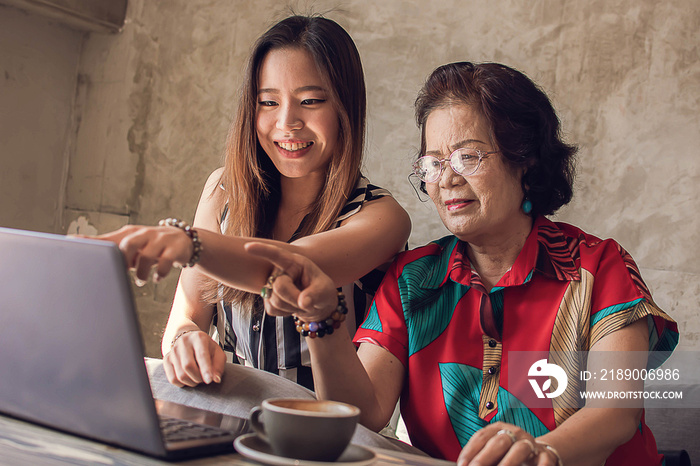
(451, 318)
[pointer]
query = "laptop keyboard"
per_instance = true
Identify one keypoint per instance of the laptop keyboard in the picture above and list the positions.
(178, 430)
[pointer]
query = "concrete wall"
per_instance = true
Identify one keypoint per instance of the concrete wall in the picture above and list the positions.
(39, 62)
(153, 104)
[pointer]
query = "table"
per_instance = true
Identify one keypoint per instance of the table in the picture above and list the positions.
(240, 390)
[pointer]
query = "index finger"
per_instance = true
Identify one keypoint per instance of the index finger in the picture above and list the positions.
(114, 236)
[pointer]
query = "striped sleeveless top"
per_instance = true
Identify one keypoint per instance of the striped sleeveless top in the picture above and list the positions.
(272, 343)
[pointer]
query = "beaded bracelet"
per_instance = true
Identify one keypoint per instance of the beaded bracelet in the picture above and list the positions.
(190, 232)
(327, 326)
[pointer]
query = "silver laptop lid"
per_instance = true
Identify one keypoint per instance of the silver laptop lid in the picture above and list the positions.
(72, 355)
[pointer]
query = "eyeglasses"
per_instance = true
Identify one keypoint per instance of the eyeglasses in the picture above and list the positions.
(463, 161)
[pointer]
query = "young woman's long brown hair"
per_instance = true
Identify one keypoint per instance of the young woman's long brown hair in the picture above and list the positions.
(250, 179)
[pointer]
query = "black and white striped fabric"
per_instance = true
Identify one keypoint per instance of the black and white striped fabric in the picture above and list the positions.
(272, 343)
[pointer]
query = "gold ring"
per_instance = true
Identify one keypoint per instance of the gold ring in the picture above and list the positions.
(553, 451)
(510, 435)
(266, 291)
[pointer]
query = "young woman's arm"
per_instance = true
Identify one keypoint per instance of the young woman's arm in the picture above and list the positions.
(190, 355)
(194, 358)
(364, 241)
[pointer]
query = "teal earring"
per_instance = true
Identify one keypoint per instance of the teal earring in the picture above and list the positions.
(527, 206)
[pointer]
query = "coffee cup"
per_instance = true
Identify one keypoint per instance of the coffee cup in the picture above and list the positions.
(305, 429)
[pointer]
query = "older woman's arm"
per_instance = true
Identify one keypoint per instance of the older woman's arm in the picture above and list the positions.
(370, 378)
(604, 425)
(590, 435)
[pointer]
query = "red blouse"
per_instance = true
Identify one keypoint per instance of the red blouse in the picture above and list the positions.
(566, 291)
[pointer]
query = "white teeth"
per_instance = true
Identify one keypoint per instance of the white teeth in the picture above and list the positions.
(293, 145)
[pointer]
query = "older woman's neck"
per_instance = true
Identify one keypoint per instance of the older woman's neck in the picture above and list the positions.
(492, 259)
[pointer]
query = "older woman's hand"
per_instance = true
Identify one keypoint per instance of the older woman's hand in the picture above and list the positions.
(504, 445)
(299, 286)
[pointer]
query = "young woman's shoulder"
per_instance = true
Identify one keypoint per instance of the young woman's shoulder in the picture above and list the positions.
(211, 202)
(368, 193)
(382, 215)
(369, 198)
(214, 180)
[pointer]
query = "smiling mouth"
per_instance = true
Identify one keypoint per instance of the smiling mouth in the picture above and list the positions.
(454, 204)
(293, 146)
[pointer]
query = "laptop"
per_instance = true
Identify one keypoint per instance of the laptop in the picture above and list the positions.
(71, 353)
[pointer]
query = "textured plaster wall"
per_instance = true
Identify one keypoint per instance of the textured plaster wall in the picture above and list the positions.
(153, 105)
(38, 66)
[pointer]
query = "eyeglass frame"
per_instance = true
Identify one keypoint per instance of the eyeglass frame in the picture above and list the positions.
(480, 153)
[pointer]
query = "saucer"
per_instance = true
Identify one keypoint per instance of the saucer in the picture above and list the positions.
(253, 447)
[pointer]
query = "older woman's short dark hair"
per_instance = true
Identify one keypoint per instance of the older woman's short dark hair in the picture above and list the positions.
(523, 125)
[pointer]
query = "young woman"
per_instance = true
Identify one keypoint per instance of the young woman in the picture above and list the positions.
(291, 177)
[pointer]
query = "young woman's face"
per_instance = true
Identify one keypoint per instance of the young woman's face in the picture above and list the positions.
(485, 205)
(296, 122)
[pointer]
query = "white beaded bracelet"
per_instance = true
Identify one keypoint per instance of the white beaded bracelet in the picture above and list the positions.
(190, 232)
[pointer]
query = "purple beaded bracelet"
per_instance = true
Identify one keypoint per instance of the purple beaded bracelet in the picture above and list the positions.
(324, 327)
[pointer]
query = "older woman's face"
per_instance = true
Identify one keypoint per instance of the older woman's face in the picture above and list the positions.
(484, 207)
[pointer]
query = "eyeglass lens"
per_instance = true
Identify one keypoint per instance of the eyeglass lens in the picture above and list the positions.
(463, 161)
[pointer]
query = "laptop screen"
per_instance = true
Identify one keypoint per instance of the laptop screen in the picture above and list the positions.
(72, 354)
